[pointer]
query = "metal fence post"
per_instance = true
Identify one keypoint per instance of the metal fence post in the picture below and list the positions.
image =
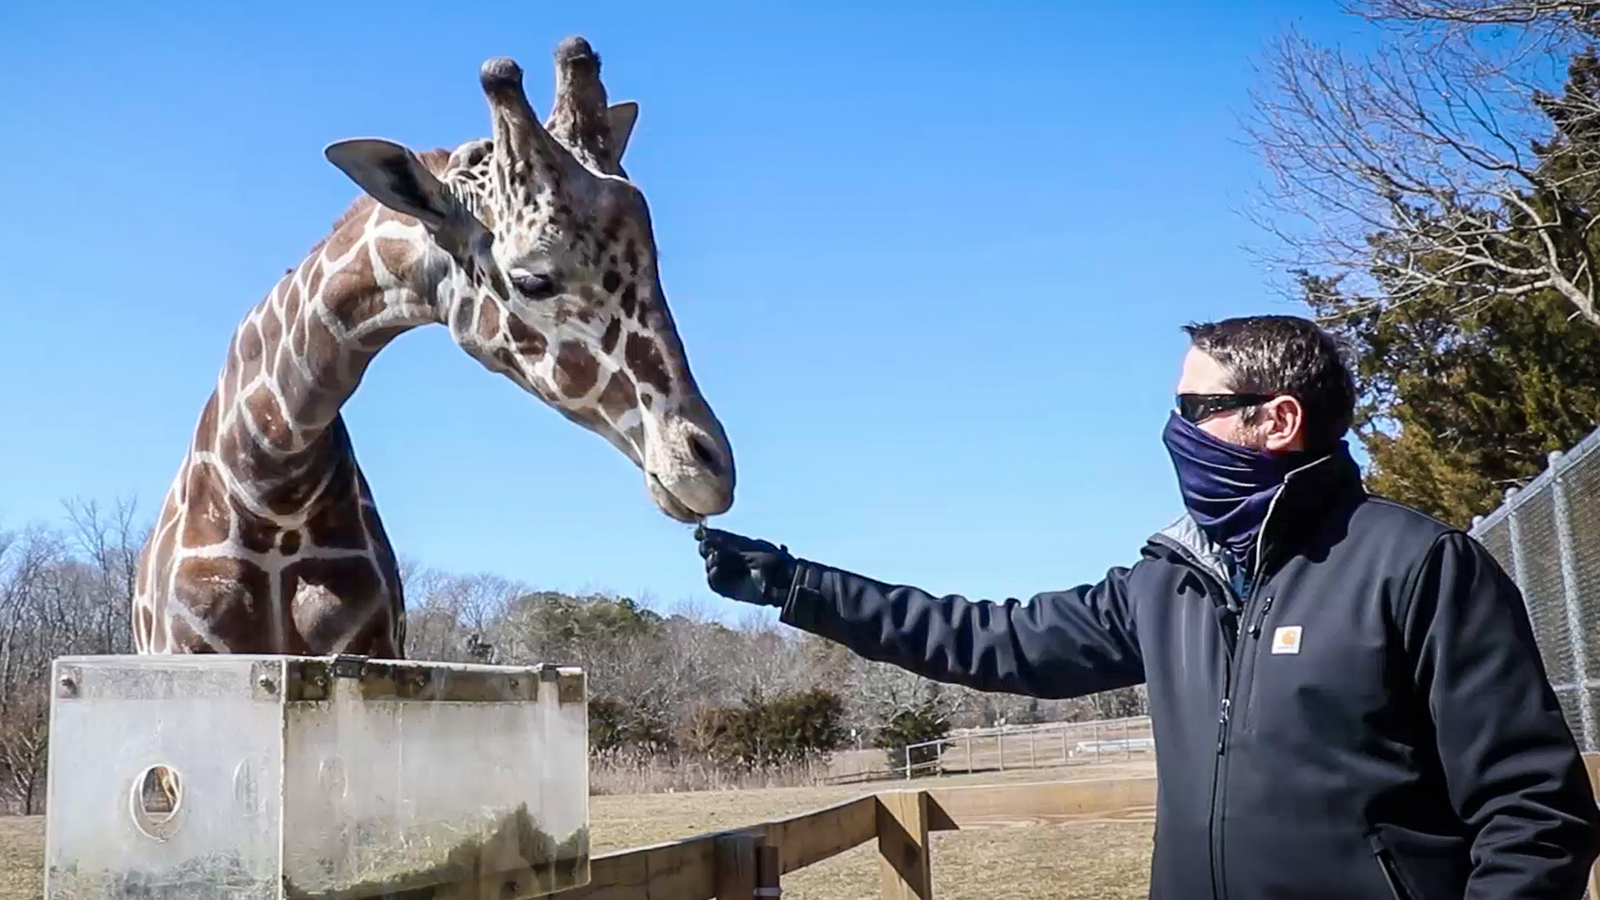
(1569, 597)
(1518, 566)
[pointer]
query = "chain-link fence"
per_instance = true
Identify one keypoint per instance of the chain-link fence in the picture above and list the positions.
(1547, 535)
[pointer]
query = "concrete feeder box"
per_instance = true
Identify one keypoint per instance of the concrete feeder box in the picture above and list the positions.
(313, 778)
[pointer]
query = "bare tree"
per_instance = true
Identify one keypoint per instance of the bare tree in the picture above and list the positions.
(1545, 18)
(24, 748)
(1424, 167)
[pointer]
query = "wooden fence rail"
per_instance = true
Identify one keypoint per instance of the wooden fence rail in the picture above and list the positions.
(748, 863)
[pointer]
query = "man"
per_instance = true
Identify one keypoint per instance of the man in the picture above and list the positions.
(1347, 698)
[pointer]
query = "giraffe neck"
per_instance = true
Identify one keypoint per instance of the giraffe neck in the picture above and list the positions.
(302, 352)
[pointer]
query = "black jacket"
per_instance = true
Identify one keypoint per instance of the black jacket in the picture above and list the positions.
(1408, 747)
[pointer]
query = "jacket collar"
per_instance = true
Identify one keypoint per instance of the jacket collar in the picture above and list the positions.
(1306, 496)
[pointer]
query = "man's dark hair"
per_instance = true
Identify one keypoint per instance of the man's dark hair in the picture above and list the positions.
(1284, 355)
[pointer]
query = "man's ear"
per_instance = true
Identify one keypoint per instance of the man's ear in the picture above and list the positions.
(1284, 423)
(621, 117)
(396, 178)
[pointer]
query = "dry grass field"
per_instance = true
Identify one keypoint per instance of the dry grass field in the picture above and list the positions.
(1103, 860)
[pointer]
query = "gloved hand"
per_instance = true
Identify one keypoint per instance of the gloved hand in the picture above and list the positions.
(745, 569)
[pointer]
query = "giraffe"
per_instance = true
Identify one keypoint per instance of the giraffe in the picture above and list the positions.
(535, 249)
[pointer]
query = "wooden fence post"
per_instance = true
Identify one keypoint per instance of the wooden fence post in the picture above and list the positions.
(903, 859)
(736, 866)
(768, 868)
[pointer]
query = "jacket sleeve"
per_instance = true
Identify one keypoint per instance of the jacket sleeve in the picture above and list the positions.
(1058, 644)
(1512, 769)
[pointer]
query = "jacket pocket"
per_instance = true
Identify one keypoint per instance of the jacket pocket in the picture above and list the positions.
(1420, 866)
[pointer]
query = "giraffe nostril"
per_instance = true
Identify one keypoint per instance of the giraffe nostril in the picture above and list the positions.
(705, 455)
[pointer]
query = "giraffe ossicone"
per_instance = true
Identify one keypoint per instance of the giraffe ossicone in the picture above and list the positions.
(536, 251)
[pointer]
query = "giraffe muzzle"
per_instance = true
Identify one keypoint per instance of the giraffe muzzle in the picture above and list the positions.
(690, 471)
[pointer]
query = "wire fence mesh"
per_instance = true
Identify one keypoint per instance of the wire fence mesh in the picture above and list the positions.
(1547, 536)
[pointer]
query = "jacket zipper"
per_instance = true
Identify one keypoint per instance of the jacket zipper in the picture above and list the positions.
(1219, 780)
(1261, 620)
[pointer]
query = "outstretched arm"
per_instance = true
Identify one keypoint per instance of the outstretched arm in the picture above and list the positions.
(1514, 773)
(1057, 644)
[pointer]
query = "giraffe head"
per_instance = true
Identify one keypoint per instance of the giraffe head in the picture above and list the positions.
(546, 269)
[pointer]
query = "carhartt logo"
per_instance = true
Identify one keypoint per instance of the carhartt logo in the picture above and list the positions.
(1286, 639)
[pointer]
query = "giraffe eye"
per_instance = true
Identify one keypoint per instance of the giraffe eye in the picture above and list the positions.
(535, 285)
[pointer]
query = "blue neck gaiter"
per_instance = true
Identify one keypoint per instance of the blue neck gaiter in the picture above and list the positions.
(1226, 488)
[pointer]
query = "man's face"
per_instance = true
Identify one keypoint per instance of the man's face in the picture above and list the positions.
(1278, 424)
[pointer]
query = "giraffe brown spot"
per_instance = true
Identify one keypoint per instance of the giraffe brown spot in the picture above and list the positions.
(608, 340)
(313, 282)
(394, 254)
(630, 299)
(291, 304)
(644, 358)
(352, 293)
(527, 341)
(161, 552)
(205, 522)
(461, 317)
(230, 599)
(322, 349)
(147, 621)
(303, 401)
(250, 353)
(336, 524)
(630, 255)
(205, 431)
(488, 319)
(576, 369)
(268, 418)
(587, 416)
(506, 359)
(497, 282)
(272, 326)
(331, 600)
(378, 338)
(611, 281)
(297, 337)
(289, 542)
(619, 395)
(362, 307)
(256, 534)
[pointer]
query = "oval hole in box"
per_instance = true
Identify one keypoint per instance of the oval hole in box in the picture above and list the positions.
(156, 799)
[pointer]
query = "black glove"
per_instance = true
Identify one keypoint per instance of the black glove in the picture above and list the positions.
(744, 569)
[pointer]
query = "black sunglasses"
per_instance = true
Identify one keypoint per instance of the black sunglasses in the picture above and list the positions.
(1195, 407)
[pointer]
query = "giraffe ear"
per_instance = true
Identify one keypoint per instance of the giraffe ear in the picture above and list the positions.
(621, 118)
(395, 177)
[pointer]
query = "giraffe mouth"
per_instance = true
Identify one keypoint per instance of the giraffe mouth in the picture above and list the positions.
(670, 504)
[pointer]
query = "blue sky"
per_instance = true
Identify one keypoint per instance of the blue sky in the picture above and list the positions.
(929, 261)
